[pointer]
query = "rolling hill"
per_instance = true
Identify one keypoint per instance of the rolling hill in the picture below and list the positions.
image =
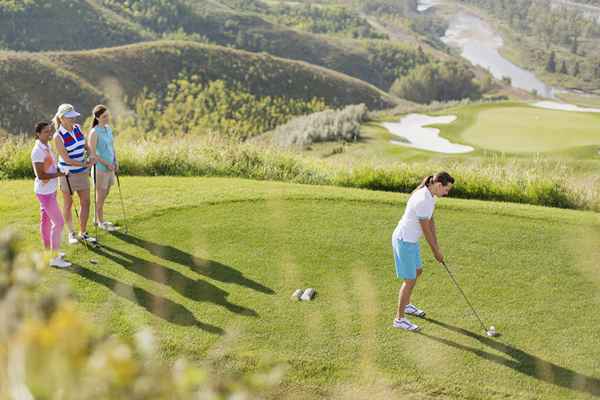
(37, 83)
(93, 24)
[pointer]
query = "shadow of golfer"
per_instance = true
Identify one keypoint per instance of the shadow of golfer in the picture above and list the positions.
(159, 306)
(197, 290)
(522, 362)
(210, 269)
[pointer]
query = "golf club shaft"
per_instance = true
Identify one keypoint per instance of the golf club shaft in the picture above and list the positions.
(95, 204)
(464, 295)
(122, 203)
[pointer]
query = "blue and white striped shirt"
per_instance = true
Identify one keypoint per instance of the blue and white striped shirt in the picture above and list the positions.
(74, 143)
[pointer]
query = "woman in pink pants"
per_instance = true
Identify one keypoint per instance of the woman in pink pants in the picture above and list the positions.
(46, 181)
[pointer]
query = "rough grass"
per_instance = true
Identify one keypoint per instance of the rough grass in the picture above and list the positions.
(498, 179)
(212, 262)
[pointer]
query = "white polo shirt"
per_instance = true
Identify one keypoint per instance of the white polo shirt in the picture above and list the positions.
(420, 206)
(41, 154)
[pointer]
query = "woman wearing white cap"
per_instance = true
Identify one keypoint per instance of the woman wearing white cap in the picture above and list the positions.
(71, 147)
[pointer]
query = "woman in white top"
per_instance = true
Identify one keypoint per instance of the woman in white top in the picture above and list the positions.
(416, 221)
(46, 182)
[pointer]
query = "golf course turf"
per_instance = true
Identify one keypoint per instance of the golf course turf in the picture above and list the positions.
(211, 260)
(520, 128)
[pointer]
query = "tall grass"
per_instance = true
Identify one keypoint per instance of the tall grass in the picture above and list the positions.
(541, 181)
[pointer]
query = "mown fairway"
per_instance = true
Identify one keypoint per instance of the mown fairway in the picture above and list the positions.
(524, 129)
(213, 261)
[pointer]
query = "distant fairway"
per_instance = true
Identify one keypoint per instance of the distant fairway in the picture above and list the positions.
(213, 261)
(525, 129)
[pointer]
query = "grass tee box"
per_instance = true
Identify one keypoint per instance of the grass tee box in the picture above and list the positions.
(211, 262)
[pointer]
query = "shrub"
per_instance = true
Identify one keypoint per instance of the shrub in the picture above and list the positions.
(328, 125)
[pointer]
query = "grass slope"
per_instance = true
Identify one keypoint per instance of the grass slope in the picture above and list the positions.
(126, 70)
(213, 261)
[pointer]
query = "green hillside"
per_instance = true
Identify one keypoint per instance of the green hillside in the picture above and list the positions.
(211, 263)
(32, 87)
(90, 24)
(93, 75)
(38, 25)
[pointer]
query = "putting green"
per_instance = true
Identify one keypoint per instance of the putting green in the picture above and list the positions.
(525, 129)
(210, 257)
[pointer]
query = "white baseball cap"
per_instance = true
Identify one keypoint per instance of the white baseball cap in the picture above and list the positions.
(67, 110)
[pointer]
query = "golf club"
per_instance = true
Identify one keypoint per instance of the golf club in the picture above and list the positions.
(491, 331)
(122, 203)
(95, 205)
(85, 243)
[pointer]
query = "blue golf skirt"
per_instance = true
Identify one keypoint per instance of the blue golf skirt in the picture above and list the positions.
(407, 257)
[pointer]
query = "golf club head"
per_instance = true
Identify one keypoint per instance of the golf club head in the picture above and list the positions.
(491, 332)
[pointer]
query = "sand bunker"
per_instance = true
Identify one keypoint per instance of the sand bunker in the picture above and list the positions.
(414, 134)
(553, 105)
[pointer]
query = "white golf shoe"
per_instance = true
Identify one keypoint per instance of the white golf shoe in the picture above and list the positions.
(411, 309)
(58, 262)
(405, 324)
(73, 239)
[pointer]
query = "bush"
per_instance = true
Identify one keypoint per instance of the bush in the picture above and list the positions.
(324, 126)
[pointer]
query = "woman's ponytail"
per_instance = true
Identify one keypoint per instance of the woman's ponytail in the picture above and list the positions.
(425, 182)
(443, 177)
(97, 113)
(56, 122)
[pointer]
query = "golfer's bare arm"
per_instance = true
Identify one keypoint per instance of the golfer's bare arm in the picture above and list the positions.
(91, 142)
(41, 174)
(91, 148)
(60, 148)
(428, 227)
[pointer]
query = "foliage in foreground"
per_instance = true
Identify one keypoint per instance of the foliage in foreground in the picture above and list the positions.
(49, 350)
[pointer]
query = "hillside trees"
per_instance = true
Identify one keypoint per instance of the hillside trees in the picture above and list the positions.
(437, 82)
(192, 107)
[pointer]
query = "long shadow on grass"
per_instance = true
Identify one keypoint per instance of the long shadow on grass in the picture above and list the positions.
(208, 268)
(522, 362)
(159, 306)
(197, 290)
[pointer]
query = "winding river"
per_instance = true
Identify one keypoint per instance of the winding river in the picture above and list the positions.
(479, 44)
